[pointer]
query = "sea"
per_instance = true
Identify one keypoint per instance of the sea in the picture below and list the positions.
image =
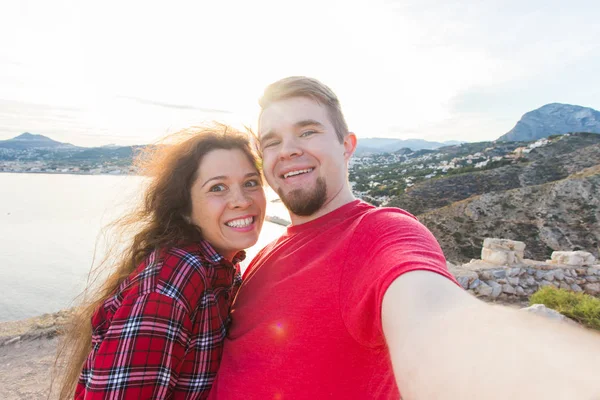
(51, 235)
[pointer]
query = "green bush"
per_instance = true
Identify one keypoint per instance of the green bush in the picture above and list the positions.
(580, 307)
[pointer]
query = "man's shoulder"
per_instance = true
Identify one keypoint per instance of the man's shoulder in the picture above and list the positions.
(380, 217)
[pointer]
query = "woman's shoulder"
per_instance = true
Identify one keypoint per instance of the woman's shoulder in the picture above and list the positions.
(183, 262)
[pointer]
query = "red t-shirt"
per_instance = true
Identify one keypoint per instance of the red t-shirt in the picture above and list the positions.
(306, 323)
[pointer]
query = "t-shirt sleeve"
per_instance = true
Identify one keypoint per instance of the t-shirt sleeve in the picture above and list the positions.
(387, 243)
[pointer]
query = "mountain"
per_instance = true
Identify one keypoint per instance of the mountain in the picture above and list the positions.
(28, 140)
(384, 145)
(554, 119)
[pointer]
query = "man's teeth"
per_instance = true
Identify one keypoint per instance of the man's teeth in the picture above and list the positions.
(240, 223)
(298, 172)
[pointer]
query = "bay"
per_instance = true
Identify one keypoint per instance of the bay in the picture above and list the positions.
(50, 229)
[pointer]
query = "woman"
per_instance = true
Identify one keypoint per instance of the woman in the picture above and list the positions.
(158, 322)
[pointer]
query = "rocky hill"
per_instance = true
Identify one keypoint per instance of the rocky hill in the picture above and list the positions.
(545, 193)
(553, 119)
(560, 215)
(559, 158)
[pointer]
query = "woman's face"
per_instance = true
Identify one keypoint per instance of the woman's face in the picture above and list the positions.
(228, 201)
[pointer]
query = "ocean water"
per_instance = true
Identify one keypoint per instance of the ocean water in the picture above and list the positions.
(50, 229)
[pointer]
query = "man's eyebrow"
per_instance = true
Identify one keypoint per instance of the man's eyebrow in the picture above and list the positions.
(269, 135)
(222, 177)
(308, 122)
(300, 124)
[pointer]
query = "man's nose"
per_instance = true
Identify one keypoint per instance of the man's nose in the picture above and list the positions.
(289, 148)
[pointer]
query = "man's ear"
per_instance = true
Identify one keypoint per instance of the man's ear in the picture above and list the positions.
(350, 142)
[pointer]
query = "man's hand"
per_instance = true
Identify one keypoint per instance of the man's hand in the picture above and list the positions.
(446, 344)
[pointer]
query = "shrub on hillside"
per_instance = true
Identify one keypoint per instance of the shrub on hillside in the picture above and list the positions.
(580, 307)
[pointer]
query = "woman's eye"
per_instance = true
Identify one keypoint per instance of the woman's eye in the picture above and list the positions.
(307, 133)
(252, 183)
(217, 188)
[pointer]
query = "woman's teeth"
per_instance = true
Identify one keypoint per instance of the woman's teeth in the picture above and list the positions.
(240, 223)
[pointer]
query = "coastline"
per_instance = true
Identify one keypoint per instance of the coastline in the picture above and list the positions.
(277, 220)
(42, 326)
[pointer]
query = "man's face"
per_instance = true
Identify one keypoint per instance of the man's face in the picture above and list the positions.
(303, 160)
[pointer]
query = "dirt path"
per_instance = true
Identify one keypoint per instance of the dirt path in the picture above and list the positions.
(25, 368)
(27, 352)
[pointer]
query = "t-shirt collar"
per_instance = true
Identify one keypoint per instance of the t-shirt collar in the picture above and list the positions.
(338, 213)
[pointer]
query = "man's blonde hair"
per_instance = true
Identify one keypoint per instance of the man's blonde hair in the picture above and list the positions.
(302, 86)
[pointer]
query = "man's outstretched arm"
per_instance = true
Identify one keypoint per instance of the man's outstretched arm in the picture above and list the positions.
(446, 344)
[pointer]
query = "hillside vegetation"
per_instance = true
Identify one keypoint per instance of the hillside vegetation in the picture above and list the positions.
(560, 215)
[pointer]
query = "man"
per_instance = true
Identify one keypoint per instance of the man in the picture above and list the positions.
(354, 302)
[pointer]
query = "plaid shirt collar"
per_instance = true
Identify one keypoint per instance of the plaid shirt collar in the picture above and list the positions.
(214, 258)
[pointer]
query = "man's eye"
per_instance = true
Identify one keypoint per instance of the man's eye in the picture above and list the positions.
(270, 144)
(217, 188)
(252, 183)
(307, 133)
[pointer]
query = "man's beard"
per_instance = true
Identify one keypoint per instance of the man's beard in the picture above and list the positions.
(305, 202)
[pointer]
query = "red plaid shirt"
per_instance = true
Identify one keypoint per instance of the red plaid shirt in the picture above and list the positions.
(161, 334)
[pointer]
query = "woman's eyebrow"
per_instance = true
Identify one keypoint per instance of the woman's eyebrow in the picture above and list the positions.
(214, 178)
(222, 177)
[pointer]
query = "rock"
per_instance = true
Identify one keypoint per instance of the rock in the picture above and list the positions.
(591, 279)
(496, 289)
(565, 286)
(543, 311)
(499, 273)
(475, 284)
(558, 274)
(592, 288)
(576, 288)
(549, 276)
(593, 271)
(497, 257)
(486, 275)
(508, 289)
(530, 281)
(504, 244)
(520, 291)
(513, 272)
(501, 281)
(574, 258)
(12, 340)
(513, 281)
(545, 283)
(569, 280)
(502, 251)
(484, 289)
(539, 274)
(463, 281)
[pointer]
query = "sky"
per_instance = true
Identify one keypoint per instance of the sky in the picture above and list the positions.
(130, 72)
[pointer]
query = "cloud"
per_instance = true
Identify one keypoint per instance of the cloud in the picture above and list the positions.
(175, 106)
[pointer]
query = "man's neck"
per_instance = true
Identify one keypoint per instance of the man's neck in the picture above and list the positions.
(342, 198)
